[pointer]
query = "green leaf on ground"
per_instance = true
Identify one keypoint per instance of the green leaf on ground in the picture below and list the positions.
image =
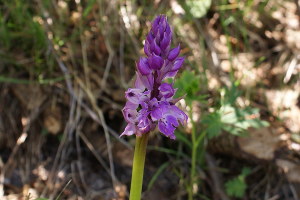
(237, 186)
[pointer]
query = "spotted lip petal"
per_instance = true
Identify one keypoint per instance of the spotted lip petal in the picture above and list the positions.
(136, 95)
(168, 126)
(167, 129)
(150, 103)
(168, 117)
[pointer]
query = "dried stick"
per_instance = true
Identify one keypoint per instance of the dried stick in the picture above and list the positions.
(216, 178)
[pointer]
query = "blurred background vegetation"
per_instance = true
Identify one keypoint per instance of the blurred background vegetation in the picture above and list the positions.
(64, 68)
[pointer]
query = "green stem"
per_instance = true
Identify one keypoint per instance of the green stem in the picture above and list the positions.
(193, 170)
(196, 141)
(194, 158)
(138, 167)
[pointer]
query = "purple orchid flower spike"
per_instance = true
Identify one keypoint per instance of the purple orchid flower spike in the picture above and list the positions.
(150, 103)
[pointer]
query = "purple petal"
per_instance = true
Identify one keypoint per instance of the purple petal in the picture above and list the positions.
(143, 82)
(130, 115)
(168, 30)
(166, 90)
(156, 114)
(171, 74)
(166, 41)
(179, 114)
(172, 120)
(167, 129)
(175, 112)
(155, 48)
(133, 95)
(172, 68)
(139, 82)
(156, 21)
(129, 130)
(155, 62)
(136, 95)
(153, 102)
(144, 124)
(131, 105)
(150, 81)
(163, 22)
(143, 66)
(147, 48)
(144, 106)
(150, 38)
(174, 53)
(155, 24)
(160, 31)
(169, 120)
(178, 63)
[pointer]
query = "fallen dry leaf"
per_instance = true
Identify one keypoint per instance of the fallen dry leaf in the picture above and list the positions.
(291, 169)
(261, 143)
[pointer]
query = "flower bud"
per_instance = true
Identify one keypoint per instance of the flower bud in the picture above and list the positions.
(155, 48)
(177, 64)
(166, 41)
(155, 62)
(143, 66)
(174, 53)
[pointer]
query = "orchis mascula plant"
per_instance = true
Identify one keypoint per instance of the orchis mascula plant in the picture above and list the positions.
(150, 103)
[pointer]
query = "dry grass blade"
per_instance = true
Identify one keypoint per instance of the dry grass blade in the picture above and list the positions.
(8, 166)
(93, 150)
(103, 123)
(216, 178)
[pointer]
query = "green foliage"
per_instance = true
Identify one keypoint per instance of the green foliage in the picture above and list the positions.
(230, 94)
(227, 116)
(18, 21)
(214, 124)
(88, 8)
(188, 84)
(182, 137)
(238, 120)
(157, 173)
(197, 8)
(230, 117)
(237, 186)
(24, 47)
